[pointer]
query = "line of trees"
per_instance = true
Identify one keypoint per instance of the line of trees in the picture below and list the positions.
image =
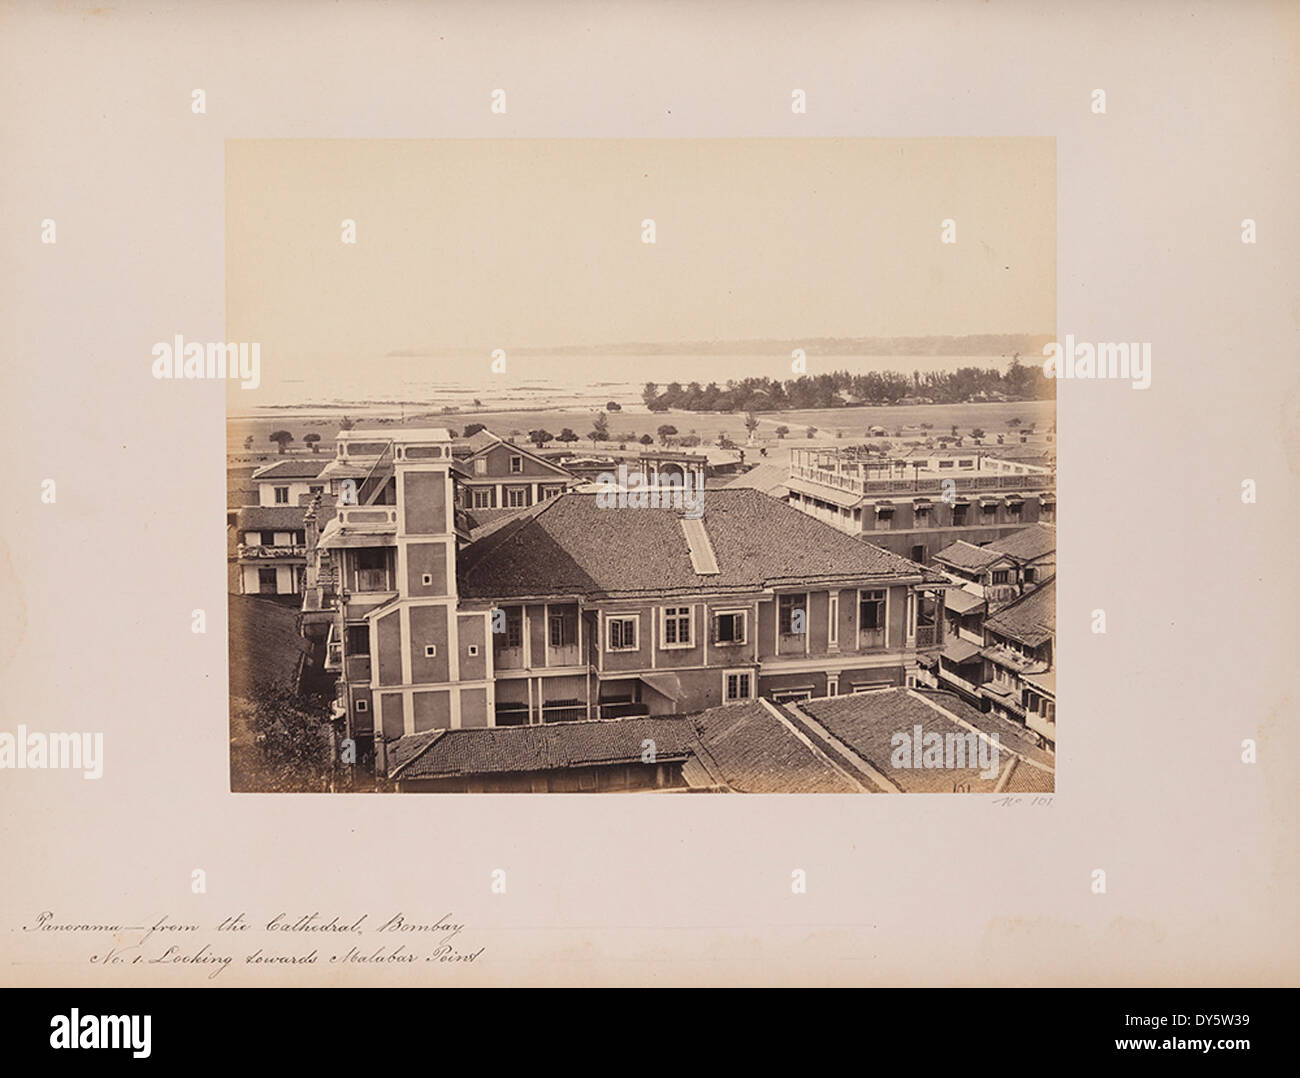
(837, 389)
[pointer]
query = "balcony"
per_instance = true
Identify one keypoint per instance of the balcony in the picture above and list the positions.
(948, 677)
(369, 580)
(871, 639)
(927, 636)
(257, 552)
(568, 655)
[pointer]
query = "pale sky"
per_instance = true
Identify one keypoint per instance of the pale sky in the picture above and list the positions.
(473, 244)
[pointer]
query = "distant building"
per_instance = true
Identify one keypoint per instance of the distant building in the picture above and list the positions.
(919, 505)
(286, 481)
(991, 577)
(1021, 684)
(269, 555)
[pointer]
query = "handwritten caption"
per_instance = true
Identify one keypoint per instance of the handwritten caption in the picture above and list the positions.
(308, 939)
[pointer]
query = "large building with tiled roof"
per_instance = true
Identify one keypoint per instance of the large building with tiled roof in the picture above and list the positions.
(585, 607)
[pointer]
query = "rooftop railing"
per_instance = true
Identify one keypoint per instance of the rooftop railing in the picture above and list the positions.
(923, 484)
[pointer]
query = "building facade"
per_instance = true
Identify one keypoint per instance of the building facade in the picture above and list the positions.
(919, 505)
(569, 610)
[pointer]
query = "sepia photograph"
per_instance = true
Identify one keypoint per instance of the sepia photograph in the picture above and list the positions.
(444, 435)
(798, 539)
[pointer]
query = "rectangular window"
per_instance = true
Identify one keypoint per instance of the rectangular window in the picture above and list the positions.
(731, 627)
(266, 581)
(965, 463)
(738, 685)
(516, 497)
(560, 632)
(791, 614)
(621, 634)
(358, 640)
(871, 611)
(514, 628)
(782, 696)
(480, 466)
(281, 495)
(677, 627)
(959, 515)
(918, 554)
(833, 623)
(1047, 512)
(1013, 508)
(516, 465)
(315, 490)
(1000, 576)
(1030, 573)
(483, 498)
(945, 464)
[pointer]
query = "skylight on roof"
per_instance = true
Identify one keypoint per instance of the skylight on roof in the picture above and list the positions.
(703, 560)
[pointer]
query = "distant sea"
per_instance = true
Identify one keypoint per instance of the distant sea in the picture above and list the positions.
(531, 382)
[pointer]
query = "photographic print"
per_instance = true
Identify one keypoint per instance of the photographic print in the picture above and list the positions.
(756, 494)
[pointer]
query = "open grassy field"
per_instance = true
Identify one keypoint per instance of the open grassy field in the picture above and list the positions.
(852, 422)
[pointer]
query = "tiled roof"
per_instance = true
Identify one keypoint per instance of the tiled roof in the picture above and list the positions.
(741, 747)
(868, 722)
(1027, 544)
(964, 555)
(292, 469)
(1031, 619)
(575, 547)
(1011, 735)
(755, 753)
(1030, 780)
(509, 749)
(270, 517)
(481, 439)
